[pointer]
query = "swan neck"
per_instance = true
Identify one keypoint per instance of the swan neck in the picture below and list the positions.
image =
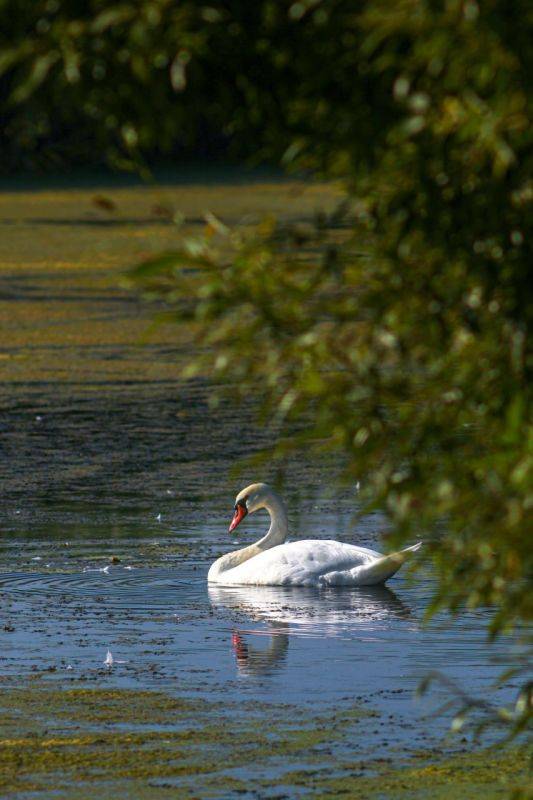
(276, 534)
(279, 524)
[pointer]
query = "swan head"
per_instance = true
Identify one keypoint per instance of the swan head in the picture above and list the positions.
(249, 500)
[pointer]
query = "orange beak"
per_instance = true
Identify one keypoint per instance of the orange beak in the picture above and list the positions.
(240, 513)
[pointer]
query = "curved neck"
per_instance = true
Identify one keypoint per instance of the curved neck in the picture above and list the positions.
(279, 523)
(276, 534)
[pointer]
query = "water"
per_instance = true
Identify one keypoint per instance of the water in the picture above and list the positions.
(127, 573)
(117, 494)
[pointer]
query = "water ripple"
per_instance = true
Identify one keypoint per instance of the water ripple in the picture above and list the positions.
(146, 589)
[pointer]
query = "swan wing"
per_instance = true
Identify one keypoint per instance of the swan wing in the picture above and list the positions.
(302, 563)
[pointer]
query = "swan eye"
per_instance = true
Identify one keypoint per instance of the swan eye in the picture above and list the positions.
(241, 503)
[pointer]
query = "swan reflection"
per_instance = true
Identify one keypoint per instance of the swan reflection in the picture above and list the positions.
(369, 607)
(253, 660)
(302, 612)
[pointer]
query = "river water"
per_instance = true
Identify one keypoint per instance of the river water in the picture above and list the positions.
(117, 492)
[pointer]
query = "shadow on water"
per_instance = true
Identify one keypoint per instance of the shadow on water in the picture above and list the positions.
(172, 175)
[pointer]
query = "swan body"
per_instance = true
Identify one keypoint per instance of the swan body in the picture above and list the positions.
(311, 562)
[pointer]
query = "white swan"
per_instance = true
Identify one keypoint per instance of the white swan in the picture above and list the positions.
(311, 562)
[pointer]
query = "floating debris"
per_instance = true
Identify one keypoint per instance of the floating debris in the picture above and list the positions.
(110, 661)
(105, 570)
(104, 203)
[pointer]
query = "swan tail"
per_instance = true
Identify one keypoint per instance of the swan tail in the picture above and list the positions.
(384, 568)
(377, 572)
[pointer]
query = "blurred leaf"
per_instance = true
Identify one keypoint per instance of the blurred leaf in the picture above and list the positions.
(112, 16)
(39, 71)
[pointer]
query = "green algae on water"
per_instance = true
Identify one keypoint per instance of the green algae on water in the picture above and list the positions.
(55, 736)
(87, 742)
